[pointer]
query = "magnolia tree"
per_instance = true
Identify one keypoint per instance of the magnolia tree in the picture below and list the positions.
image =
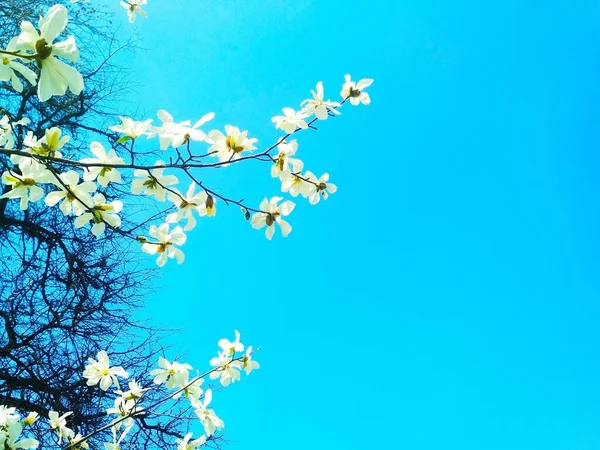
(130, 166)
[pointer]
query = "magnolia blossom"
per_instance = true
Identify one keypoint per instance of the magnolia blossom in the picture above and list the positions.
(125, 408)
(297, 183)
(228, 147)
(133, 7)
(248, 364)
(101, 372)
(207, 417)
(56, 76)
(355, 91)
(135, 391)
(177, 134)
(9, 439)
(9, 67)
(102, 213)
(281, 166)
(24, 184)
(228, 370)
(103, 175)
(48, 145)
(132, 129)
(231, 347)
(201, 202)
(59, 425)
(7, 415)
(71, 194)
(7, 139)
(290, 120)
(186, 444)
(153, 182)
(165, 246)
(173, 374)
(322, 189)
(192, 391)
(31, 418)
(318, 106)
(75, 443)
(273, 213)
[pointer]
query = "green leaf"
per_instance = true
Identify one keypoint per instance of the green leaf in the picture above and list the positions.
(123, 139)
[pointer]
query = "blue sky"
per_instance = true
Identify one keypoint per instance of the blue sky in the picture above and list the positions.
(448, 295)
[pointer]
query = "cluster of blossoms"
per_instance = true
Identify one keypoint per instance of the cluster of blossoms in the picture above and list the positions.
(81, 191)
(129, 404)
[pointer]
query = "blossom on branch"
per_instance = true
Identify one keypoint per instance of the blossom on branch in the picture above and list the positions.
(102, 213)
(153, 182)
(103, 175)
(134, 6)
(9, 67)
(24, 182)
(56, 76)
(165, 246)
(229, 147)
(208, 418)
(173, 374)
(291, 120)
(201, 202)
(281, 166)
(355, 91)
(59, 425)
(177, 134)
(131, 129)
(272, 213)
(319, 107)
(74, 197)
(322, 189)
(101, 372)
(186, 444)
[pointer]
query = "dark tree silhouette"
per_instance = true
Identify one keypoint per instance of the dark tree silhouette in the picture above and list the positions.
(64, 294)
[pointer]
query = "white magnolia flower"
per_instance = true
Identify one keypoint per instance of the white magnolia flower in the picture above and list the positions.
(101, 372)
(59, 425)
(135, 391)
(133, 7)
(9, 67)
(24, 184)
(291, 120)
(201, 202)
(177, 134)
(231, 347)
(207, 417)
(104, 175)
(75, 443)
(186, 444)
(248, 364)
(355, 91)
(281, 166)
(56, 76)
(318, 106)
(48, 145)
(7, 415)
(322, 189)
(31, 418)
(10, 440)
(165, 246)
(7, 138)
(71, 196)
(273, 213)
(297, 183)
(132, 128)
(124, 408)
(102, 213)
(229, 147)
(193, 391)
(153, 182)
(173, 374)
(228, 370)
